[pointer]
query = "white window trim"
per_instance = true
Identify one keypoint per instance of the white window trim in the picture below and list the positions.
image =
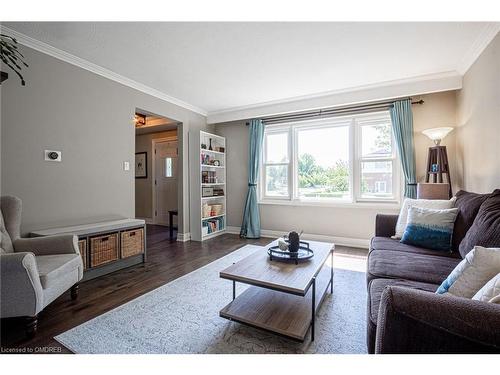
(355, 159)
(262, 179)
(374, 119)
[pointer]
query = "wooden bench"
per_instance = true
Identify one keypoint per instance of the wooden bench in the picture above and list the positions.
(106, 246)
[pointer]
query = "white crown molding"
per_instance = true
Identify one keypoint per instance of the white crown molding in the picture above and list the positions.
(97, 69)
(425, 84)
(341, 241)
(478, 46)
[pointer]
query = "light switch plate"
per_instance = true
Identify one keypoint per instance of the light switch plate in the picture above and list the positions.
(51, 155)
(126, 166)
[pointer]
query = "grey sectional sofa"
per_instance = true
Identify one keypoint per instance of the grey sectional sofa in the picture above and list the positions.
(404, 315)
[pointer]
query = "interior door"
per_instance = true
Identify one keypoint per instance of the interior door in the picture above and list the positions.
(165, 154)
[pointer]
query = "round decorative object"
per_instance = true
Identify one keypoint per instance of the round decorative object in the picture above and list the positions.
(293, 242)
(216, 163)
(303, 253)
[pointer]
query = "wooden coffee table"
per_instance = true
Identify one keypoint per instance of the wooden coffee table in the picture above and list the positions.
(283, 297)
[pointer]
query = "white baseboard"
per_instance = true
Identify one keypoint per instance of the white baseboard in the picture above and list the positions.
(148, 220)
(341, 241)
(184, 237)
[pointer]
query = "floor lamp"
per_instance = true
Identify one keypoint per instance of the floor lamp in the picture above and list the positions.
(437, 159)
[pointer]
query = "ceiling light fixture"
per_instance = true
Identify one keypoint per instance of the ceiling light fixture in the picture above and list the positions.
(139, 120)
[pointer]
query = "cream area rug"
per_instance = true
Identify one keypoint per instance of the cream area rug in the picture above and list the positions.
(183, 317)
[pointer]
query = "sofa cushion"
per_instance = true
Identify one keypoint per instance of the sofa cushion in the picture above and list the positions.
(468, 205)
(484, 230)
(409, 266)
(385, 243)
(377, 286)
(52, 267)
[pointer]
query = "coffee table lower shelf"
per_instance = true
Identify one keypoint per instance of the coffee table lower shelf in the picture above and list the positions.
(278, 312)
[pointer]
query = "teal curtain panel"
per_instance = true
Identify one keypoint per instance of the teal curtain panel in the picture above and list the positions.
(250, 227)
(402, 127)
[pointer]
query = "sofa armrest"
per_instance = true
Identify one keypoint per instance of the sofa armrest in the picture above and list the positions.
(21, 292)
(416, 321)
(50, 245)
(385, 225)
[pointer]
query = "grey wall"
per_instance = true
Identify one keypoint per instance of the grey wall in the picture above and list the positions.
(438, 110)
(144, 186)
(349, 222)
(479, 122)
(88, 118)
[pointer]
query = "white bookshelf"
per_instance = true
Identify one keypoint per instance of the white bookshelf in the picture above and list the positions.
(207, 222)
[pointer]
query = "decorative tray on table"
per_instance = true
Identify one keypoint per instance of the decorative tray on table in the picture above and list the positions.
(303, 253)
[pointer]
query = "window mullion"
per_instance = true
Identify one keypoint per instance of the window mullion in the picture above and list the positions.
(355, 165)
(294, 194)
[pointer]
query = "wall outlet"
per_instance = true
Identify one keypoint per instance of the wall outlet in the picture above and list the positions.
(126, 166)
(51, 155)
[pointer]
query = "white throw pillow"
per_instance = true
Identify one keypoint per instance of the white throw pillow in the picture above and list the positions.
(490, 292)
(472, 273)
(436, 204)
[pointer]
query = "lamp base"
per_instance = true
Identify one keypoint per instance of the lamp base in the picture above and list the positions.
(437, 166)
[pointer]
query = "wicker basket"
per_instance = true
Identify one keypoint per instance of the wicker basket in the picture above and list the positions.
(132, 242)
(103, 249)
(82, 245)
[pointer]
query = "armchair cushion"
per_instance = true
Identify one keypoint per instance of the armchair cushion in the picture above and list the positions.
(11, 211)
(5, 241)
(52, 268)
(50, 245)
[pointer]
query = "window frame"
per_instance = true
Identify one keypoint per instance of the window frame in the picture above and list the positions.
(264, 164)
(354, 123)
(378, 118)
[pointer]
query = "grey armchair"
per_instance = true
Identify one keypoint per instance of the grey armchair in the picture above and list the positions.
(33, 271)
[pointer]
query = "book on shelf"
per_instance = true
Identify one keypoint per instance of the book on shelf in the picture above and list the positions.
(213, 225)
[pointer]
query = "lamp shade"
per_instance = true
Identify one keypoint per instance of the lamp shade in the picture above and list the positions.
(437, 134)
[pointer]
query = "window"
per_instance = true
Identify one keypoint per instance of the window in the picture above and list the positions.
(168, 167)
(342, 159)
(277, 164)
(323, 170)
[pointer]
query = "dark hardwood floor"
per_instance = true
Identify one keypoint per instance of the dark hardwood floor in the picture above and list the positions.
(167, 260)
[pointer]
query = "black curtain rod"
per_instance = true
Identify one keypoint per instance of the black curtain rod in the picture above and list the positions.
(332, 111)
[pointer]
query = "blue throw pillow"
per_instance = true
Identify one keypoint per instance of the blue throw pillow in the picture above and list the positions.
(432, 229)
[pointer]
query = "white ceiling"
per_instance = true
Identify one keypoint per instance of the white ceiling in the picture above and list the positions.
(219, 66)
